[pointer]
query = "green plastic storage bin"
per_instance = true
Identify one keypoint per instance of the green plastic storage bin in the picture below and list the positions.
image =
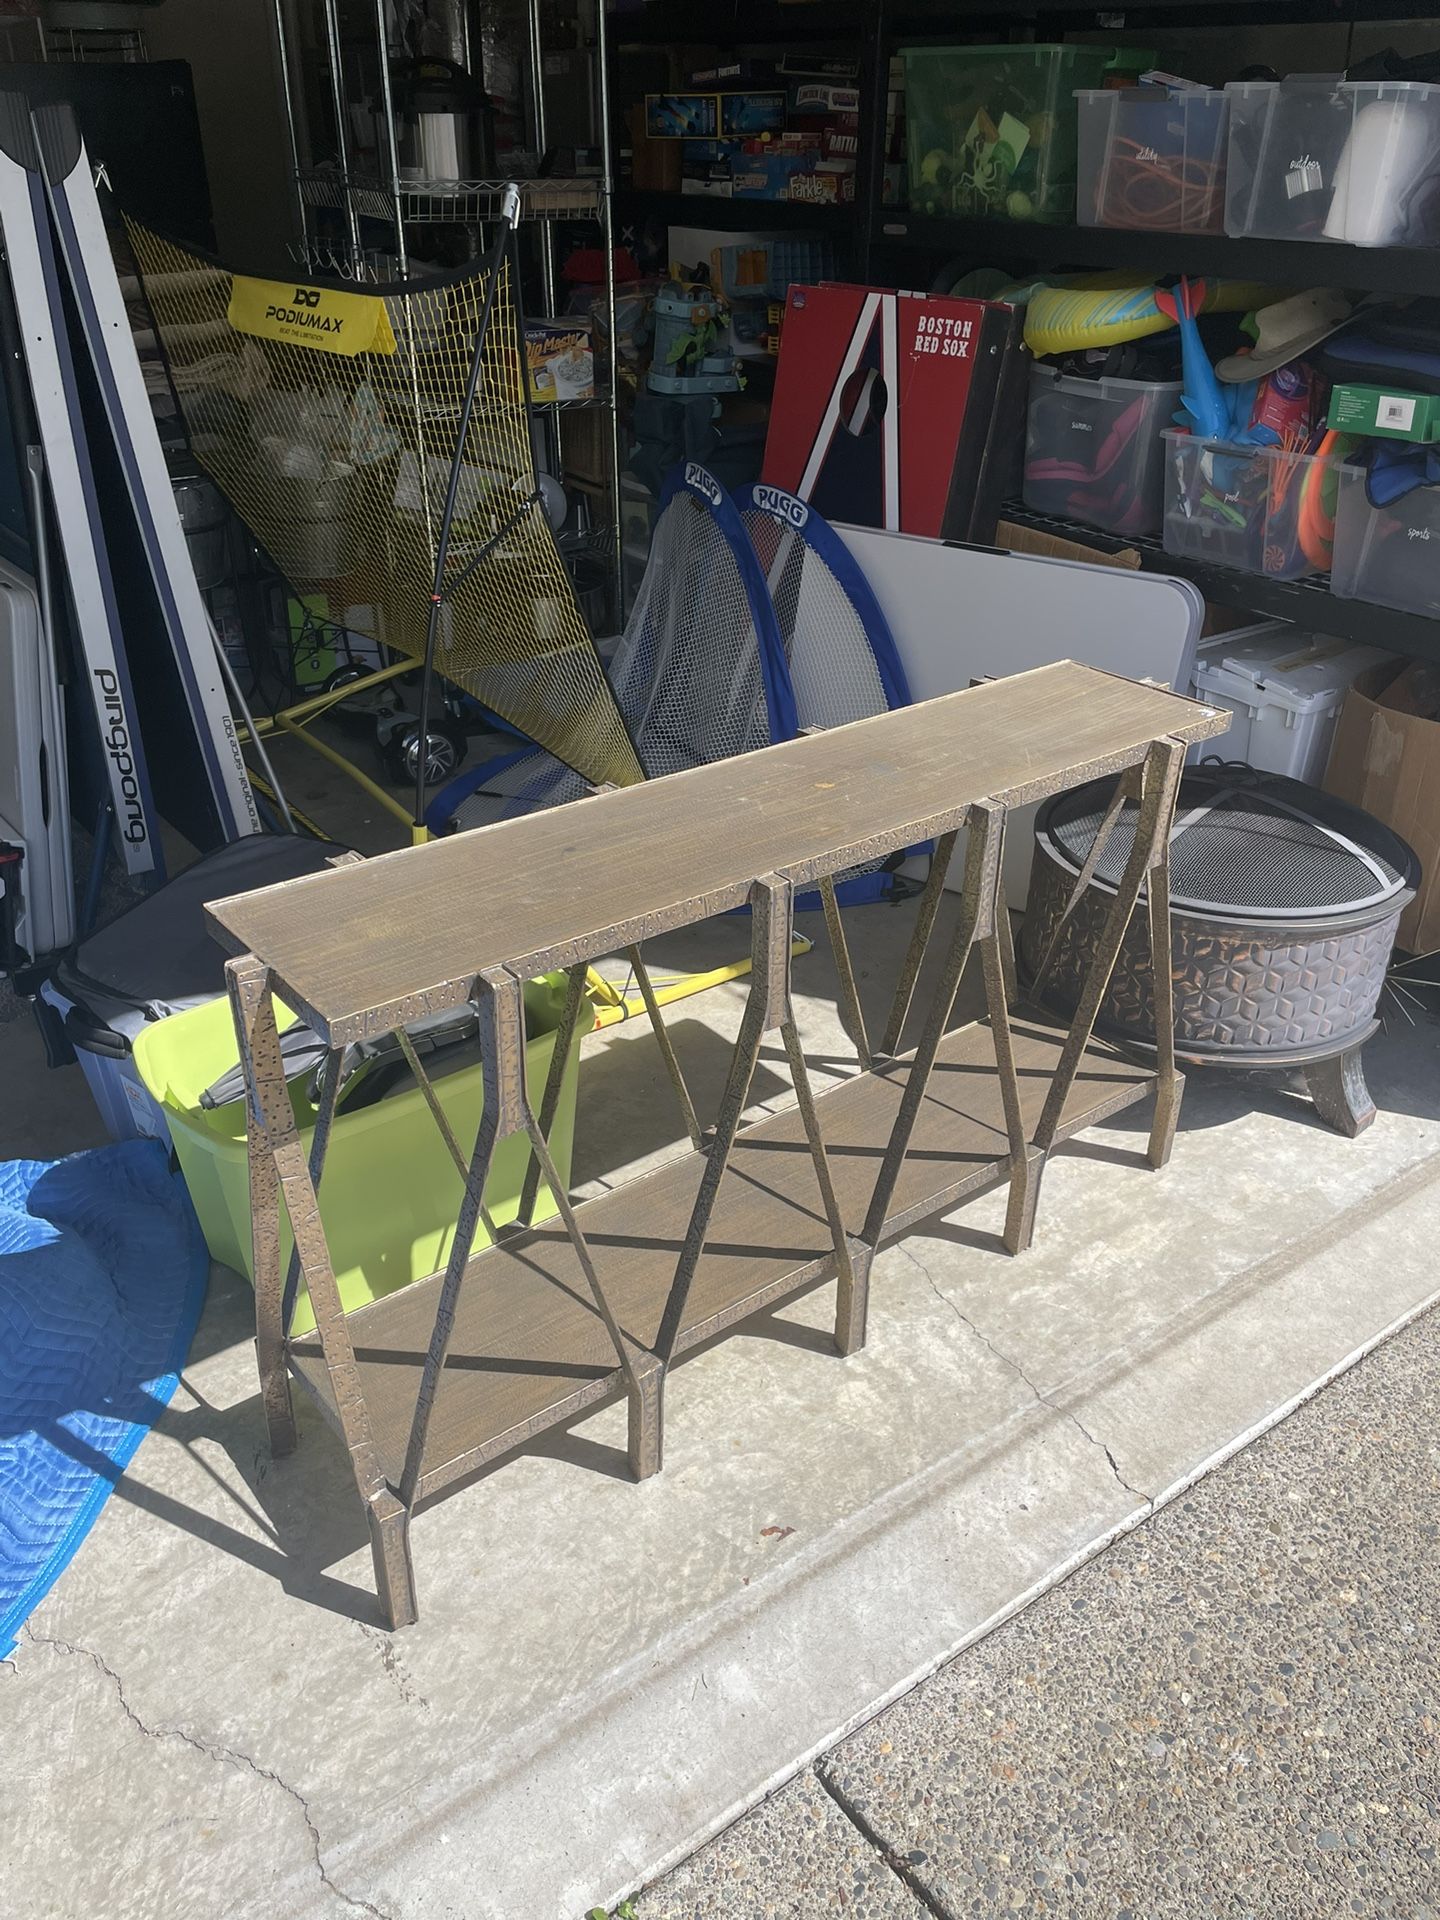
(992, 130)
(390, 1191)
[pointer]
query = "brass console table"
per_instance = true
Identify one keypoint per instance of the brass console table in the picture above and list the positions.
(429, 1382)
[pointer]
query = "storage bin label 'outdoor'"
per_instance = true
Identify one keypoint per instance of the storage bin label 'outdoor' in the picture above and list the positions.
(347, 323)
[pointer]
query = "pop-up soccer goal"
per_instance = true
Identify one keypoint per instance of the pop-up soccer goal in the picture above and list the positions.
(376, 443)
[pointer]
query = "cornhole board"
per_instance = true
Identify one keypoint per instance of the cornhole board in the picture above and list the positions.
(897, 410)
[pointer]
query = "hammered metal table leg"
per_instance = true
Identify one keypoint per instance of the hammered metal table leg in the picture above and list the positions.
(643, 1373)
(1169, 1081)
(389, 1525)
(330, 1077)
(270, 1115)
(1155, 819)
(330, 1074)
(849, 1312)
(982, 878)
(852, 1014)
(997, 955)
(930, 899)
(248, 983)
(646, 1437)
(502, 1070)
(667, 1047)
(852, 1304)
(771, 900)
(554, 1083)
(1342, 1099)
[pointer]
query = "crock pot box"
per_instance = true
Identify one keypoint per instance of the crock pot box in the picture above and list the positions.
(561, 359)
(1388, 762)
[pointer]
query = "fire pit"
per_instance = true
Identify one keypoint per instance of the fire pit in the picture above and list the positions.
(1284, 903)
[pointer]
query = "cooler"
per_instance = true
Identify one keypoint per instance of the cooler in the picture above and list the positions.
(1285, 689)
(154, 960)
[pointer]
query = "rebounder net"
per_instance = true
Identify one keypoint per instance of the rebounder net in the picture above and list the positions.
(841, 657)
(838, 648)
(329, 419)
(699, 673)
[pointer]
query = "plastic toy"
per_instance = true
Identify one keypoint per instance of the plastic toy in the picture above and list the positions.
(1275, 411)
(1216, 412)
(1319, 490)
(692, 335)
(1097, 310)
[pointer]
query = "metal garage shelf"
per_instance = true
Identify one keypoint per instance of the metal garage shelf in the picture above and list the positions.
(1309, 603)
(1299, 263)
(726, 215)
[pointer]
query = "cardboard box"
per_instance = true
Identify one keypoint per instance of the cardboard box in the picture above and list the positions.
(1395, 415)
(706, 166)
(585, 445)
(1389, 763)
(1050, 546)
(816, 103)
(763, 170)
(841, 140)
(743, 116)
(560, 360)
(827, 186)
(682, 116)
(712, 116)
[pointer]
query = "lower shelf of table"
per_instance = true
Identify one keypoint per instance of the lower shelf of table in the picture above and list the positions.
(529, 1350)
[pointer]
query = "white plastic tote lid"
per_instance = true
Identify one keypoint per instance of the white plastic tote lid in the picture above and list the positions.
(1288, 669)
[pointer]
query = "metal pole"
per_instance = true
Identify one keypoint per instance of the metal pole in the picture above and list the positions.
(870, 172)
(387, 107)
(607, 242)
(44, 579)
(227, 673)
(52, 692)
(537, 119)
(550, 425)
(342, 130)
(282, 41)
(509, 213)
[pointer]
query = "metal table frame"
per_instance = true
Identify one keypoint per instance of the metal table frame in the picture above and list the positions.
(647, 1331)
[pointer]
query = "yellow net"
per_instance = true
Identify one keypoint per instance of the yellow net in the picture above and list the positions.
(329, 419)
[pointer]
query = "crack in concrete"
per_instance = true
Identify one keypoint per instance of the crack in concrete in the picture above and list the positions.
(1007, 1360)
(227, 1756)
(902, 1868)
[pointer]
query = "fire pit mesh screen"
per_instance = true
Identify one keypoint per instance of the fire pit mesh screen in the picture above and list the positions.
(1248, 847)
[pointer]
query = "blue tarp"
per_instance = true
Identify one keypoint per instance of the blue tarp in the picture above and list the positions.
(102, 1276)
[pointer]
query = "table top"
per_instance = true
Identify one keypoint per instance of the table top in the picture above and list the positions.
(372, 945)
